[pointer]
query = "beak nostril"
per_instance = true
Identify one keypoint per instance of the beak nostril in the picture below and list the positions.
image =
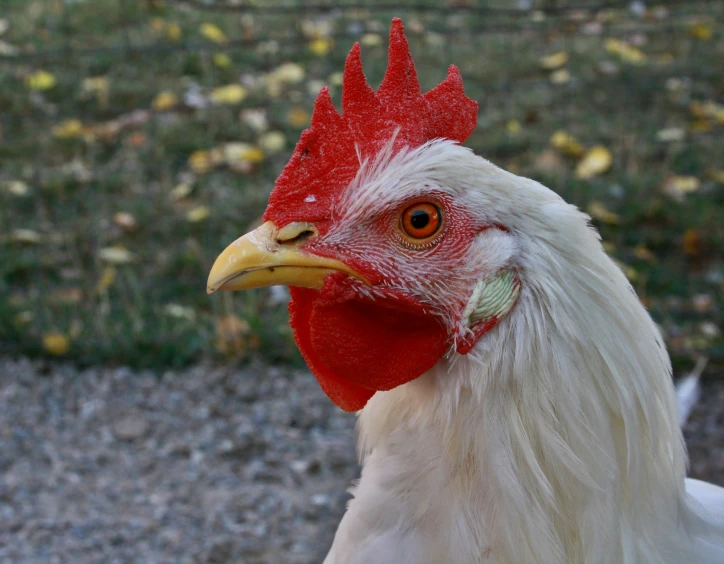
(295, 233)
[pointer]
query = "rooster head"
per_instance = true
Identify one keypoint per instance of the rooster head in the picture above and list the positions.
(390, 263)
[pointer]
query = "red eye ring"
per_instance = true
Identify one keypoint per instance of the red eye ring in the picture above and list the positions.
(420, 221)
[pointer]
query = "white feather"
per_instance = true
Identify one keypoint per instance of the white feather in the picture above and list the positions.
(556, 439)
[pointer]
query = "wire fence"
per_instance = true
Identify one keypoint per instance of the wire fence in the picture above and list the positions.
(137, 138)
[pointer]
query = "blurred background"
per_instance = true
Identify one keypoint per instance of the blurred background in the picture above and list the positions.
(142, 420)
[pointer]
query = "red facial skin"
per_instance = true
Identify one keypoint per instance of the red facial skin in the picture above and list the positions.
(355, 345)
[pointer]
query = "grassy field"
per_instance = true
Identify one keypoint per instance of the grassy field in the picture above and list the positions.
(138, 138)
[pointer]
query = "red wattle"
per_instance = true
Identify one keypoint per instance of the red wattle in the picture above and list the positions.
(355, 348)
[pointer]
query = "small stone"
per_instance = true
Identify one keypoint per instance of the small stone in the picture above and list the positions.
(130, 428)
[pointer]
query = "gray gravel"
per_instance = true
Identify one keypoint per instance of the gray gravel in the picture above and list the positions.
(203, 465)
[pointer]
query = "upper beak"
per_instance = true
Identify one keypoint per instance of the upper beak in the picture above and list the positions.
(269, 256)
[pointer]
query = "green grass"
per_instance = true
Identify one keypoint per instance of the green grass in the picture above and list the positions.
(156, 312)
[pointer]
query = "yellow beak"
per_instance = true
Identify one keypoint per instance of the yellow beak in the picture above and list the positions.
(269, 256)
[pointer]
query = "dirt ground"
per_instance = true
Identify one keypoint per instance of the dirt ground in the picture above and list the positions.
(203, 465)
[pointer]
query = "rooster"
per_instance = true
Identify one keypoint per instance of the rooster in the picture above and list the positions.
(515, 398)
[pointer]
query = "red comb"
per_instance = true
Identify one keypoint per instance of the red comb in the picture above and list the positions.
(326, 158)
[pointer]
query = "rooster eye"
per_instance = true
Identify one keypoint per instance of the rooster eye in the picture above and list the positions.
(421, 221)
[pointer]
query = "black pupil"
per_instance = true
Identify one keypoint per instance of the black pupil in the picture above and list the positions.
(420, 219)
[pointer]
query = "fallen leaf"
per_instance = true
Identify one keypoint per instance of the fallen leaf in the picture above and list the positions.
(692, 243)
(717, 175)
(371, 40)
(66, 296)
(68, 129)
(173, 31)
(17, 188)
(180, 191)
(272, 142)
(125, 221)
(40, 80)
(200, 161)
(700, 31)
(567, 144)
(242, 152)
(561, 76)
(197, 214)
(671, 134)
(513, 126)
(26, 236)
(179, 311)
(213, 33)
(137, 139)
(230, 94)
(230, 334)
(107, 279)
(597, 160)
(115, 255)
(221, 60)
(288, 73)
(643, 253)
(598, 210)
(164, 101)
(321, 46)
(552, 62)
(298, 117)
(56, 343)
(625, 51)
(255, 118)
(677, 187)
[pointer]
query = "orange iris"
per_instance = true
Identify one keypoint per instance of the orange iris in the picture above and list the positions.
(421, 221)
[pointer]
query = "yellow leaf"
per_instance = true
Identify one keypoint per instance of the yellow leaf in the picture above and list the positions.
(321, 46)
(567, 144)
(644, 253)
(230, 334)
(108, 277)
(236, 152)
(40, 80)
(513, 126)
(173, 31)
(56, 343)
(125, 220)
(158, 24)
(179, 312)
(597, 160)
(561, 76)
(180, 191)
(626, 52)
(371, 40)
(272, 142)
(717, 175)
(678, 187)
(298, 117)
(230, 94)
(115, 255)
(289, 73)
(201, 162)
(222, 60)
(700, 31)
(213, 33)
(68, 129)
(17, 188)
(597, 210)
(27, 236)
(629, 271)
(164, 101)
(551, 62)
(197, 214)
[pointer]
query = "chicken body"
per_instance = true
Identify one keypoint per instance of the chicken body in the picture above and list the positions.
(555, 439)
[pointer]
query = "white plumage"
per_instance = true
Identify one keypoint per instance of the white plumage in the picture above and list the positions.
(556, 438)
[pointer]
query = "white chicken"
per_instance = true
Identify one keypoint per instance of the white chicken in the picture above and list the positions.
(515, 398)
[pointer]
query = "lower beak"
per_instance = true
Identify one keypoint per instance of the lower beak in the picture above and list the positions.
(268, 256)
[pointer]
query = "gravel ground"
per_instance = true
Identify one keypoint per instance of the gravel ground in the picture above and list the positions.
(204, 465)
